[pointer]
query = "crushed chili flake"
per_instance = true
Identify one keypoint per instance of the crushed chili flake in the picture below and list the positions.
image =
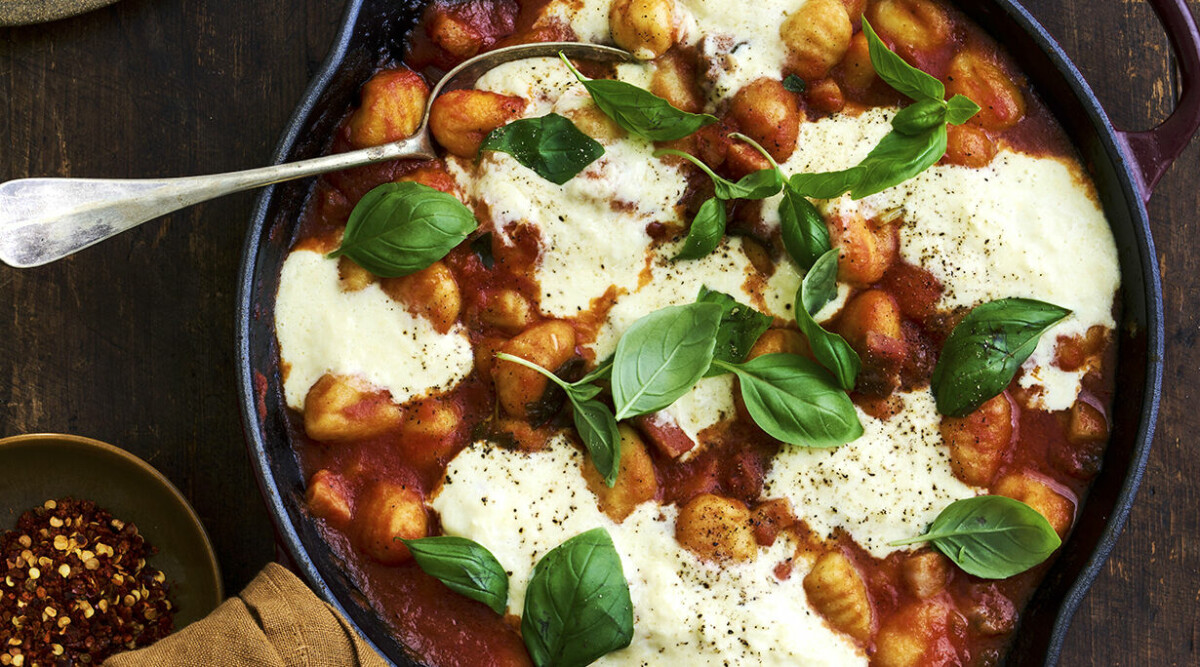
(76, 589)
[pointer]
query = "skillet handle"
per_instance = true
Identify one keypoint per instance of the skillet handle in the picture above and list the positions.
(1153, 151)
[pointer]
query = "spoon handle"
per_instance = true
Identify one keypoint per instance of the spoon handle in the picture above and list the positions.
(45, 219)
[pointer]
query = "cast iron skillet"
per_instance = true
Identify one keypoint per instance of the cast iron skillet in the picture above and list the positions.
(1125, 166)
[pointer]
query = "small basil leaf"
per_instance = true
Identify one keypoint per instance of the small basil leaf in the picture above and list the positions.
(550, 145)
(593, 420)
(992, 537)
(897, 158)
(794, 84)
(898, 74)
(984, 351)
(758, 185)
(706, 232)
(577, 606)
(920, 116)
(804, 232)
(661, 356)
(466, 567)
(960, 109)
(598, 429)
(582, 391)
(740, 328)
(640, 111)
(818, 288)
(794, 400)
(398, 229)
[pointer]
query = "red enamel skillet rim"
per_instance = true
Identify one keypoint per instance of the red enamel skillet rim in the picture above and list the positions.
(1125, 166)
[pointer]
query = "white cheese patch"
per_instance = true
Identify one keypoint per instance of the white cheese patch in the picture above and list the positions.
(885, 486)
(367, 334)
(1024, 226)
(543, 81)
(539, 81)
(522, 505)
(676, 283)
(593, 227)
(587, 18)
(739, 44)
(708, 403)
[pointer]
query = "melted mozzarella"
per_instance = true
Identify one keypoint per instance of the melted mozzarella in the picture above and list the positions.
(887, 485)
(1023, 226)
(323, 329)
(708, 403)
(593, 227)
(738, 43)
(738, 46)
(686, 611)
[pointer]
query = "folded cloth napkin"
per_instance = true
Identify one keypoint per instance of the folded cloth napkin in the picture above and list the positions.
(275, 622)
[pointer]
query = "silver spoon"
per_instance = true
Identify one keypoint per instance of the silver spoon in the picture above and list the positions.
(46, 219)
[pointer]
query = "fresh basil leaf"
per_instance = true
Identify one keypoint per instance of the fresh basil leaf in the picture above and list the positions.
(794, 400)
(466, 567)
(762, 183)
(992, 537)
(920, 116)
(740, 328)
(661, 356)
(804, 232)
(577, 605)
(482, 247)
(549, 145)
(706, 232)
(917, 140)
(984, 351)
(400, 228)
(794, 84)
(598, 429)
(960, 109)
(582, 391)
(818, 288)
(897, 158)
(593, 420)
(758, 185)
(898, 74)
(640, 111)
(825, 185)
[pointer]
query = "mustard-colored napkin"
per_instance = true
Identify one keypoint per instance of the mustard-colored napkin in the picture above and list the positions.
(275, 622)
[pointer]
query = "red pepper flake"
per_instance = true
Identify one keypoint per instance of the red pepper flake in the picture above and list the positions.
(75, 588)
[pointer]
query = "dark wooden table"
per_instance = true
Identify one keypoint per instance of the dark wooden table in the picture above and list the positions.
(132, 341)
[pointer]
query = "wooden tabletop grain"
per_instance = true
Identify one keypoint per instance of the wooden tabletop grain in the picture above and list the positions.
(132, 341)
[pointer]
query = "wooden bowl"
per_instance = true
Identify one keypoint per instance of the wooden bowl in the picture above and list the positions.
(38, 467)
